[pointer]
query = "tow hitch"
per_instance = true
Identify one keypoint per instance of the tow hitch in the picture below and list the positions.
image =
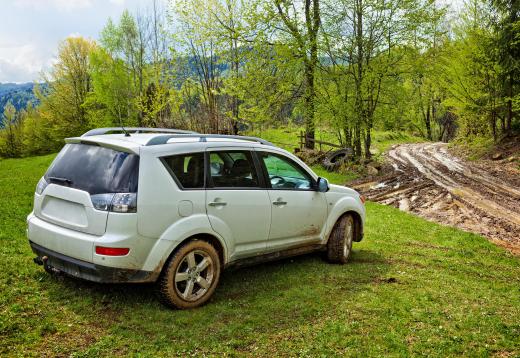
(38, 260)
(43, 260)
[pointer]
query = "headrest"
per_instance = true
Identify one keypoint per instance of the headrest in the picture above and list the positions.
(241, 167)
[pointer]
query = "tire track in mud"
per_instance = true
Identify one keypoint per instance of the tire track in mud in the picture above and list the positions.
(425, 179)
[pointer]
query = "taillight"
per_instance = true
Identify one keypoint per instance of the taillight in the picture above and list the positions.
(362, 198)
(40, 187)
(115, 202)
(112, 251)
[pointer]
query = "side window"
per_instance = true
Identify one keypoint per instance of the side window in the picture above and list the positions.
(284, 173)
(232, 169)
(188, 169)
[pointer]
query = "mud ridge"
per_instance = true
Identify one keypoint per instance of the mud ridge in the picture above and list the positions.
(427, 180)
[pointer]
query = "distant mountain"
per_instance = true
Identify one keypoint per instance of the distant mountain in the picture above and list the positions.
(18, 94)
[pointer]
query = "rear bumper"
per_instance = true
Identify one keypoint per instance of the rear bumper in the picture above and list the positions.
(89, 271)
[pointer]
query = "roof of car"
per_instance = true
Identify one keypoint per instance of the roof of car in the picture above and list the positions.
(138, 137)
(156, 137)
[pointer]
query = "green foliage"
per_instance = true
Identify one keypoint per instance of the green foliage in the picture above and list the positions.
(412, 288)
(235, 65)
(111, 102)
(11, 135)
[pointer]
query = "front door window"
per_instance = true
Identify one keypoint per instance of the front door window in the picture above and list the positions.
(285, 174)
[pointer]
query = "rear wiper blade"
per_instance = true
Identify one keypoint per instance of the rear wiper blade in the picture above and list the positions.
(60, 180)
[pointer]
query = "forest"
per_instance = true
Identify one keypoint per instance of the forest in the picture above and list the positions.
(347, 67)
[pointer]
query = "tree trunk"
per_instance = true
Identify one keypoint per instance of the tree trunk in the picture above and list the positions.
(309, 106)
(358, 26)
(509, 107)
(368, 142)
(494, 125)
(313, 25)
(357, 142)
(428, 122)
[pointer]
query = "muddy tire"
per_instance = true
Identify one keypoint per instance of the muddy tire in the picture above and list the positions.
(190, 276)
(339, 246)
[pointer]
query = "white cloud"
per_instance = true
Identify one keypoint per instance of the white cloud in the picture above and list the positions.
(12, 72)
(23, 63)
(60, 5)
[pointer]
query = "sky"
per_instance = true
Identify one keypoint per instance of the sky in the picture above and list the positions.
(30, 30)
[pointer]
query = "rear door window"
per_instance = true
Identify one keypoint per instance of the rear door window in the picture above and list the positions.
(233, 169)
(187, 169)
(95, 169)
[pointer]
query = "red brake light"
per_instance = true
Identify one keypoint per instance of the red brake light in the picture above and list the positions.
(362, 198)
(112, 251)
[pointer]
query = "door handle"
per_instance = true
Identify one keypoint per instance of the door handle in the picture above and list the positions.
(279, 202)
(217, 203)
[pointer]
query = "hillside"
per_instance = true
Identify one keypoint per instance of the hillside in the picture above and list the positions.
(18, 94)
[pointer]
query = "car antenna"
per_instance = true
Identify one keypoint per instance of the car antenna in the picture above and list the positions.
(123, 128)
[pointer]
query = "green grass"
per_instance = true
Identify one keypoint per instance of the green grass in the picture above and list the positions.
(412, 288)
(383, 140)
(287, 138)
(475, 148)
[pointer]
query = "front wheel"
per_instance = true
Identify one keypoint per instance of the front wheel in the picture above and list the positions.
(339, 246)
(190, 276)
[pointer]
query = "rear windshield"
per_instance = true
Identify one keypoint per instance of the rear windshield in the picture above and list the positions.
(95, 169)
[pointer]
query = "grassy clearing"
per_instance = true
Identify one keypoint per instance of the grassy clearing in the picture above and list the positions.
(481, 148)
(412, 288)
(287, 138)
(474, 148)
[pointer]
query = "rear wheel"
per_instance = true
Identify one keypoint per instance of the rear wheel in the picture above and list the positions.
(190, 276)
(339, 246)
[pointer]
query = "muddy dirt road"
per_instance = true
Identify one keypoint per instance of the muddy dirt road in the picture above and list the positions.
(427, 180)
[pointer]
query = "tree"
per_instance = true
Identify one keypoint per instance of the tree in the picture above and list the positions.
(471, 74)
(113, 96)
(199, 40)
(10, 134)
(67, 86)
(302, 20)
(507, 26)
(366, 42)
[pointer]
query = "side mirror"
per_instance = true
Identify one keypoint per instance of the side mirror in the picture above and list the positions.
(323, 185)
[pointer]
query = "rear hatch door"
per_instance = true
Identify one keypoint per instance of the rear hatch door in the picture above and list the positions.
(79, 171)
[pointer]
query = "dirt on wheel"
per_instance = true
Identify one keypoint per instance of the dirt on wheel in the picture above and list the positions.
(426, 179)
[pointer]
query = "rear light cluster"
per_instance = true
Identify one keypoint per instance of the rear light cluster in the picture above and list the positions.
(40, 187)
(115, 202)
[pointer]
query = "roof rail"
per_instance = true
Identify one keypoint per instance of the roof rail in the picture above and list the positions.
(163, 139)
(101, 131)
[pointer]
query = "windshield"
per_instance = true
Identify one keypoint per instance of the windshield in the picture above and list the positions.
(95, 169)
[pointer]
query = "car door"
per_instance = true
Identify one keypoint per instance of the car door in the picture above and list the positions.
(298, 210)
(237, 203)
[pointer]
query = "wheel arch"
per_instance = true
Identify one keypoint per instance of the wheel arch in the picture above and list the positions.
(210, 239)
(170, 247)
(344, 207)
(358, 224)
(177, 235)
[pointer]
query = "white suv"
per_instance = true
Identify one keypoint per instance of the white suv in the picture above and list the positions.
(176, 207)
